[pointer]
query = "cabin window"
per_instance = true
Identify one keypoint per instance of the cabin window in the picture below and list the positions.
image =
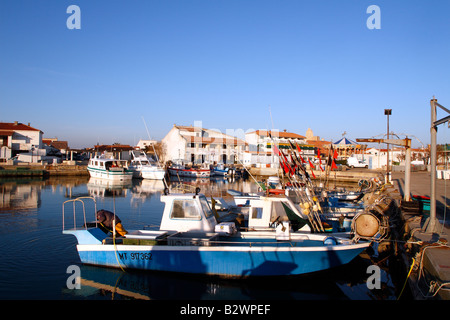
(205, 206)
(257, 212)
(185, 209)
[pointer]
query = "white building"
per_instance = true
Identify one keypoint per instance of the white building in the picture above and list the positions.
(142, 144)
(197, 145)
(377, 158)
(261, 142)
(23, 141)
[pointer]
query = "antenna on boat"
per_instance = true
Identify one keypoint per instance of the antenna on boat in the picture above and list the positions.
(157, 158)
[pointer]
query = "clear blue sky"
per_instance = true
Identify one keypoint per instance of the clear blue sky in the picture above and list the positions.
(223, 62)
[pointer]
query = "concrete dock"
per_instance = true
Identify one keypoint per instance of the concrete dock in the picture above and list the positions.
(43, 170)
(426, 252)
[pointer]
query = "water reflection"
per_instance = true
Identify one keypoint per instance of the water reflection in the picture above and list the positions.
(19, 196)
(117, 285)
(343, 283)
(107, 188)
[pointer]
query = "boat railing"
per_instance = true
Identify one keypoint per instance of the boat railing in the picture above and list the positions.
(74, 202)
(201, 242)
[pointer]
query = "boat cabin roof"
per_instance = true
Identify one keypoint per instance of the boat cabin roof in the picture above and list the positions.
(104, 159)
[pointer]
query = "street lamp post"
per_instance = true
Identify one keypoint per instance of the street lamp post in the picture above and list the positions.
(388, 112)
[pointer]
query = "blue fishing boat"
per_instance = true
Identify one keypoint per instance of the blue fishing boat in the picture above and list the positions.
(220, 170)
(192, 238)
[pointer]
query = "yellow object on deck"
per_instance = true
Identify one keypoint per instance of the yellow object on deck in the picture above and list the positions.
(120, 230)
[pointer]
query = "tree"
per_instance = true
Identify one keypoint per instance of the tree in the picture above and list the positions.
(160, 149)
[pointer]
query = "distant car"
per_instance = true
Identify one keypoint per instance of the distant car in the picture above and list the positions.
(355, 163)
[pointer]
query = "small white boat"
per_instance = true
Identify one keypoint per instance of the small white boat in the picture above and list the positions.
(145, 168)
(179, 169)
(109, 168)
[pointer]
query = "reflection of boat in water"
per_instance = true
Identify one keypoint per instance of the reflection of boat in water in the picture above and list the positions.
(98, 187)
(109, 168)
(115, 284)
(149, 186)
(193, 239)
(190, 180)
(146, 189)
(146, 168)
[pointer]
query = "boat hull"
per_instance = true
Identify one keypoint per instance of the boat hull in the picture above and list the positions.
(194, 173)
(110, 175)
(153, 174)
(224, 261)
(220, 172)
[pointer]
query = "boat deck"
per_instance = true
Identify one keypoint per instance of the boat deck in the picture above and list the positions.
(250, 238)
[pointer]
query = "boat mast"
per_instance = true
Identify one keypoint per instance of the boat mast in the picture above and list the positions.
(157, 158)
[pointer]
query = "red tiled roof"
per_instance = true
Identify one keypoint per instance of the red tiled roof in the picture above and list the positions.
(61, 145)
(280, 134)
(14, 126)
(6, 132)
(189, 128)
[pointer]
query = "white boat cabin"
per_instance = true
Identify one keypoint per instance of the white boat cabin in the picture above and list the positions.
(264, 211)
(187, 212)
(107, 164)
(193, 212)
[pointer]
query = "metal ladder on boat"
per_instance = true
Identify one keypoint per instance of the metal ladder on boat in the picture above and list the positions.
(74, 202)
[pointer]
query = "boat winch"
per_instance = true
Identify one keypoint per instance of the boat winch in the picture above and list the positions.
(370, 225)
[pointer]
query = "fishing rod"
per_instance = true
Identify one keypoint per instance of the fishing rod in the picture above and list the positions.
(316, 208)
(305, 203)
(292, 172)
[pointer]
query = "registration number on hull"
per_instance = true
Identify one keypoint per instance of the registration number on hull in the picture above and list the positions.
(135, 255)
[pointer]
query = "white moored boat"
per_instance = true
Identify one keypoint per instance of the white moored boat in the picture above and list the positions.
(109, 168)
(146, 168)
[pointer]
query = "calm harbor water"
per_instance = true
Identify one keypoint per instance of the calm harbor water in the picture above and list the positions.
(35, 255)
